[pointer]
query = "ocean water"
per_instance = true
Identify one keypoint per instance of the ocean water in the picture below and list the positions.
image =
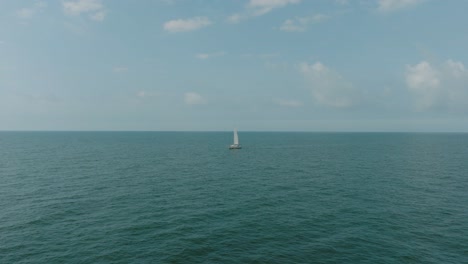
(176, 197)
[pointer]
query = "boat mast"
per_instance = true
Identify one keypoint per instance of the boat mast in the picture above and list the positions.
(236, 138)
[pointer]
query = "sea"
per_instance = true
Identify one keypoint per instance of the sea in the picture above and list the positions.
(184, 197)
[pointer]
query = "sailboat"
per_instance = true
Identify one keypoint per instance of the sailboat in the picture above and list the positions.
(236, 141)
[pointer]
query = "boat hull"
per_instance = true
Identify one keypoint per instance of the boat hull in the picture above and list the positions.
(235, 147)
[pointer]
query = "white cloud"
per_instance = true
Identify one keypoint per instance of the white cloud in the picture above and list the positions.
(259, 8)
(25, 13)
(183, 25)
(235, 18)
(422, 75)
(289, 103)
(328, 87)
(392, 5)
(120, 69)
(99, 16)
(456, 69)
(193, 99)
(261, 56)
(424, 82)
(291, 26)
(40, 4)
(81, 6)
(94, 8)
(268, 55)
(276, 65)
(300, 24)
(29, 12)
(146, 94)
(204, 56)
(440, 86)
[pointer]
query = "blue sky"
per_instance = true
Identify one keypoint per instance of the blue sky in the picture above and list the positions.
(267, 65)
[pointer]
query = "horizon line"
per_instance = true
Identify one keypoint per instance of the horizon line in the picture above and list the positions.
(249, 131)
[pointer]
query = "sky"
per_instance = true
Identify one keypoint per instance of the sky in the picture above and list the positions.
(216, 65)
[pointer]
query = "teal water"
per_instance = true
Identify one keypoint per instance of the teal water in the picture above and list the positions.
(174, 197)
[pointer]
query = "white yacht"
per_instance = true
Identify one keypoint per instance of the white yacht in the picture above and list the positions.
(236, 144)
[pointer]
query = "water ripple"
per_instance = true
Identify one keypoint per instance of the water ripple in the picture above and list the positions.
(184, 198)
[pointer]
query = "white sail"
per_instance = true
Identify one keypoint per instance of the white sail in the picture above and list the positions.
(236, 138)
(236, 141)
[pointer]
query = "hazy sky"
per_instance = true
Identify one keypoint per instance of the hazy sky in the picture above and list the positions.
(322, 65)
